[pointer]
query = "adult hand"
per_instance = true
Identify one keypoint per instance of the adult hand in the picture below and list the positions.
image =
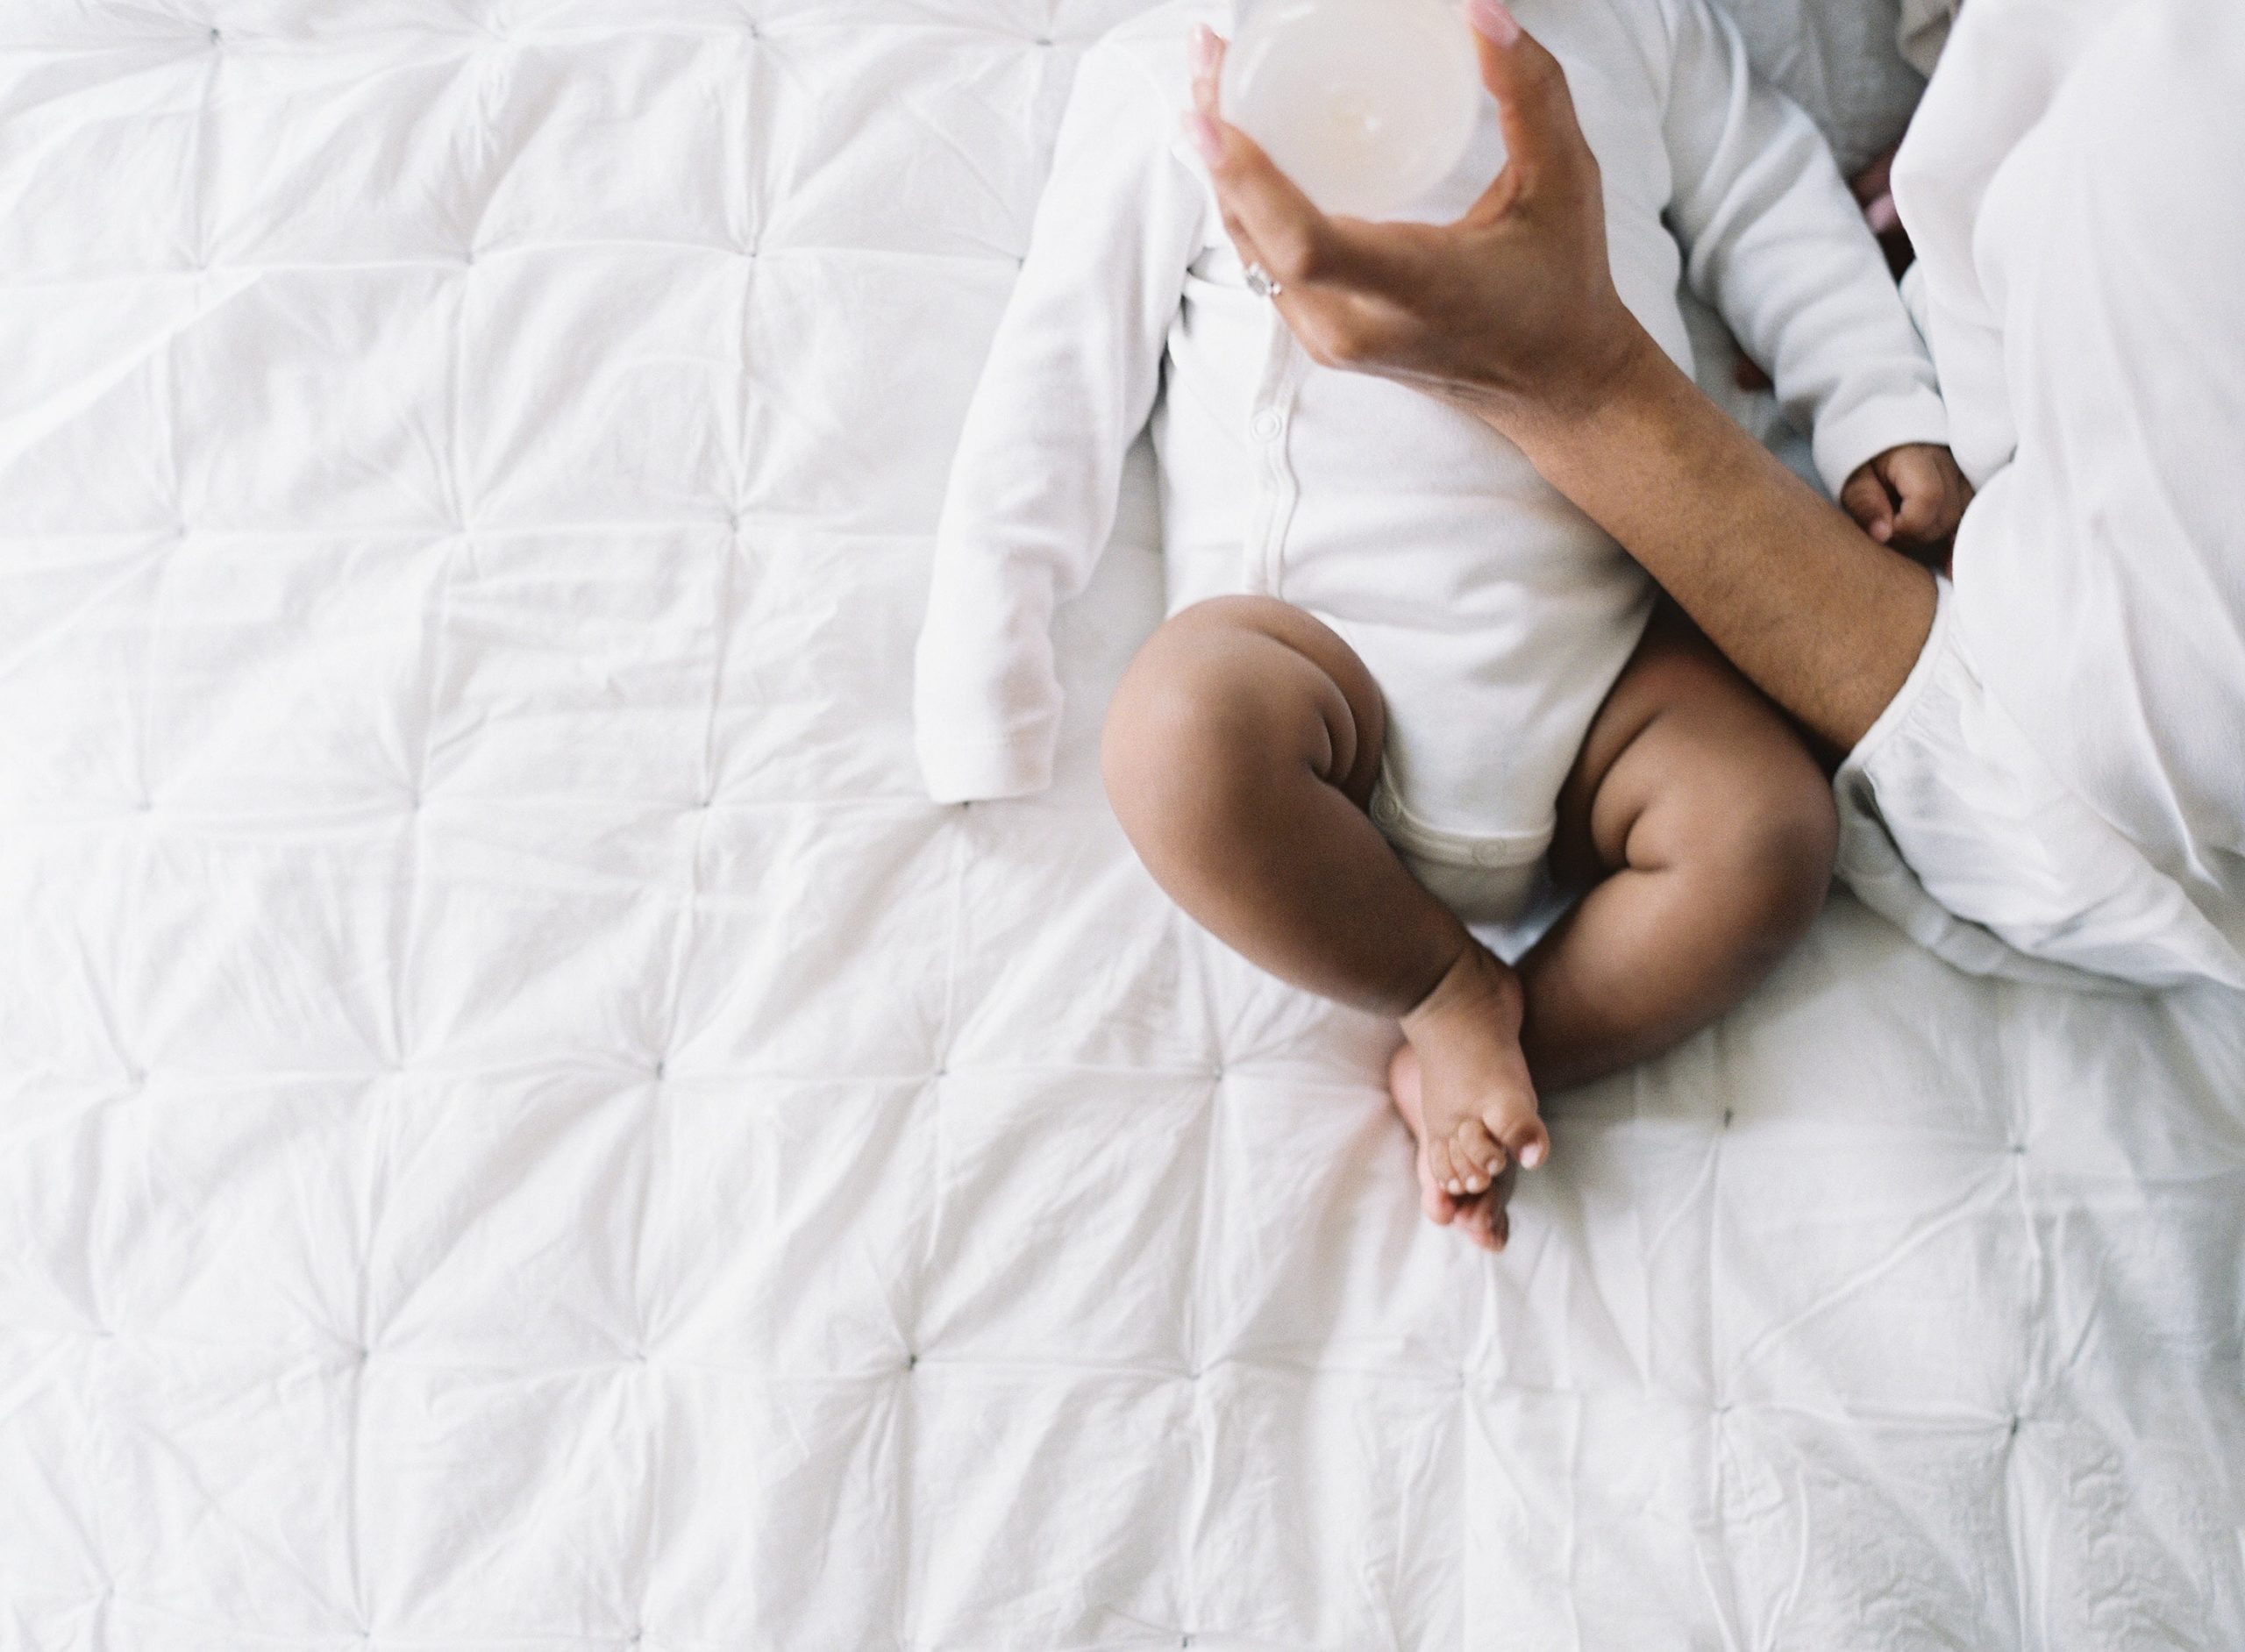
(1511, 310)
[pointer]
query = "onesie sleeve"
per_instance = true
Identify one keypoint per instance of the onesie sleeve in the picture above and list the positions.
(1069, 382)
(1773, 239)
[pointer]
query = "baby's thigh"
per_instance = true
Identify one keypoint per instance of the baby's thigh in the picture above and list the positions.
(1281, 670)
(1686, 762)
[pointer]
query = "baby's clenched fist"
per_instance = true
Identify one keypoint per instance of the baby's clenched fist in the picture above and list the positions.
(1911, 497)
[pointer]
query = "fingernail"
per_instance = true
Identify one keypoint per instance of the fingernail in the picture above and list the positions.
(1206, 137)
(1882, 533)
(1455, 1187)
(1531, 1155)
(1204, 47)
(1491, 18)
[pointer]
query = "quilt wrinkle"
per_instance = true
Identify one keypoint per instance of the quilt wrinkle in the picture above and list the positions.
(518, 1124)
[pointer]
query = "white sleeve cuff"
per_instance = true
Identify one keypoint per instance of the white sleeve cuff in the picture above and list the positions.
(1845, 444)
(973, 770)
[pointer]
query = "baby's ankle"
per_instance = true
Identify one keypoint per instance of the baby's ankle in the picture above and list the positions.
(1478, 986)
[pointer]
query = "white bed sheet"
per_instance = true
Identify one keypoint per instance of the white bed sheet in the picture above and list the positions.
(518, 1127)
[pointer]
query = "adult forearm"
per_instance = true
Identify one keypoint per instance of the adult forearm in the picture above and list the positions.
(1826, 620)
(1512, 311)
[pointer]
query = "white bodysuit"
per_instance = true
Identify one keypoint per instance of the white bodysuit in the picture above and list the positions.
(1494, 614)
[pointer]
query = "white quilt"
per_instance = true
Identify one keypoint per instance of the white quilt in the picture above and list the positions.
(519, 1129)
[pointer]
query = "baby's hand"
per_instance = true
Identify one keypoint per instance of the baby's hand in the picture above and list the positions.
(1911, 497)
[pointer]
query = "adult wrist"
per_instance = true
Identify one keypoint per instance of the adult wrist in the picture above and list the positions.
(1607, 369)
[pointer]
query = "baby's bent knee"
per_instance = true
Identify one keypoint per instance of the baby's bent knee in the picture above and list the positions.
(1186, 705)
(1180, 688)
(1220, 707)
(1774, 843)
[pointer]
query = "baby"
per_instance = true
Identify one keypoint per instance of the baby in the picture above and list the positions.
(1411, 710)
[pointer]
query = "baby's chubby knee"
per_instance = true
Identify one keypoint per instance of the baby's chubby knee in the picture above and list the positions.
(1772, 834)
(1213, 697)
(1185, 698)
(1150, 718)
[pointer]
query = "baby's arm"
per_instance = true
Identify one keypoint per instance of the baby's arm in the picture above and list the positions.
(1774, 239)
(1070, 380)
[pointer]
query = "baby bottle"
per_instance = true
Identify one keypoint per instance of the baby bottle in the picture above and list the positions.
(1366, 105)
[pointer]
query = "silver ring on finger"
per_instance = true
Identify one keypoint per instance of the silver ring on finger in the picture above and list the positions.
(1259, 282)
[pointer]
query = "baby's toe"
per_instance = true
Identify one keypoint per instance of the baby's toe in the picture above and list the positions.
(1448, 1166)
(1478, 1155)
(1481, 1219)
(1519, 1130)
(1458, 1175)
(1440, 1208)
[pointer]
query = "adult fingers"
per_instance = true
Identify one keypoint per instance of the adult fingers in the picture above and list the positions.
(1535, 110)
(1268, 218)
(1310, 256)
(1205, 126)
(1207, 55)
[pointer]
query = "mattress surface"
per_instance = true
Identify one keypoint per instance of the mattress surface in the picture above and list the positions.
(520, 1126)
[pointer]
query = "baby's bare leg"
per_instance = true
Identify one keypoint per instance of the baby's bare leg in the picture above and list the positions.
(1240, 753)
(1709, 832)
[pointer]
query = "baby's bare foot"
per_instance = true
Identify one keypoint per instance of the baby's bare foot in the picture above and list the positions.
(1481, 1217)
(1478, 1102)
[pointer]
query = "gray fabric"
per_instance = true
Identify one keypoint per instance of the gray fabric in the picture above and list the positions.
(1838, 60)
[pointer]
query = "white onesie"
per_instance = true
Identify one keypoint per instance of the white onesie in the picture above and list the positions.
(1494, 614)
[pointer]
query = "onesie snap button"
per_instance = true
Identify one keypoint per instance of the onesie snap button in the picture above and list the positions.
(1266, 425)
(1384, 808)
(1487, 855)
